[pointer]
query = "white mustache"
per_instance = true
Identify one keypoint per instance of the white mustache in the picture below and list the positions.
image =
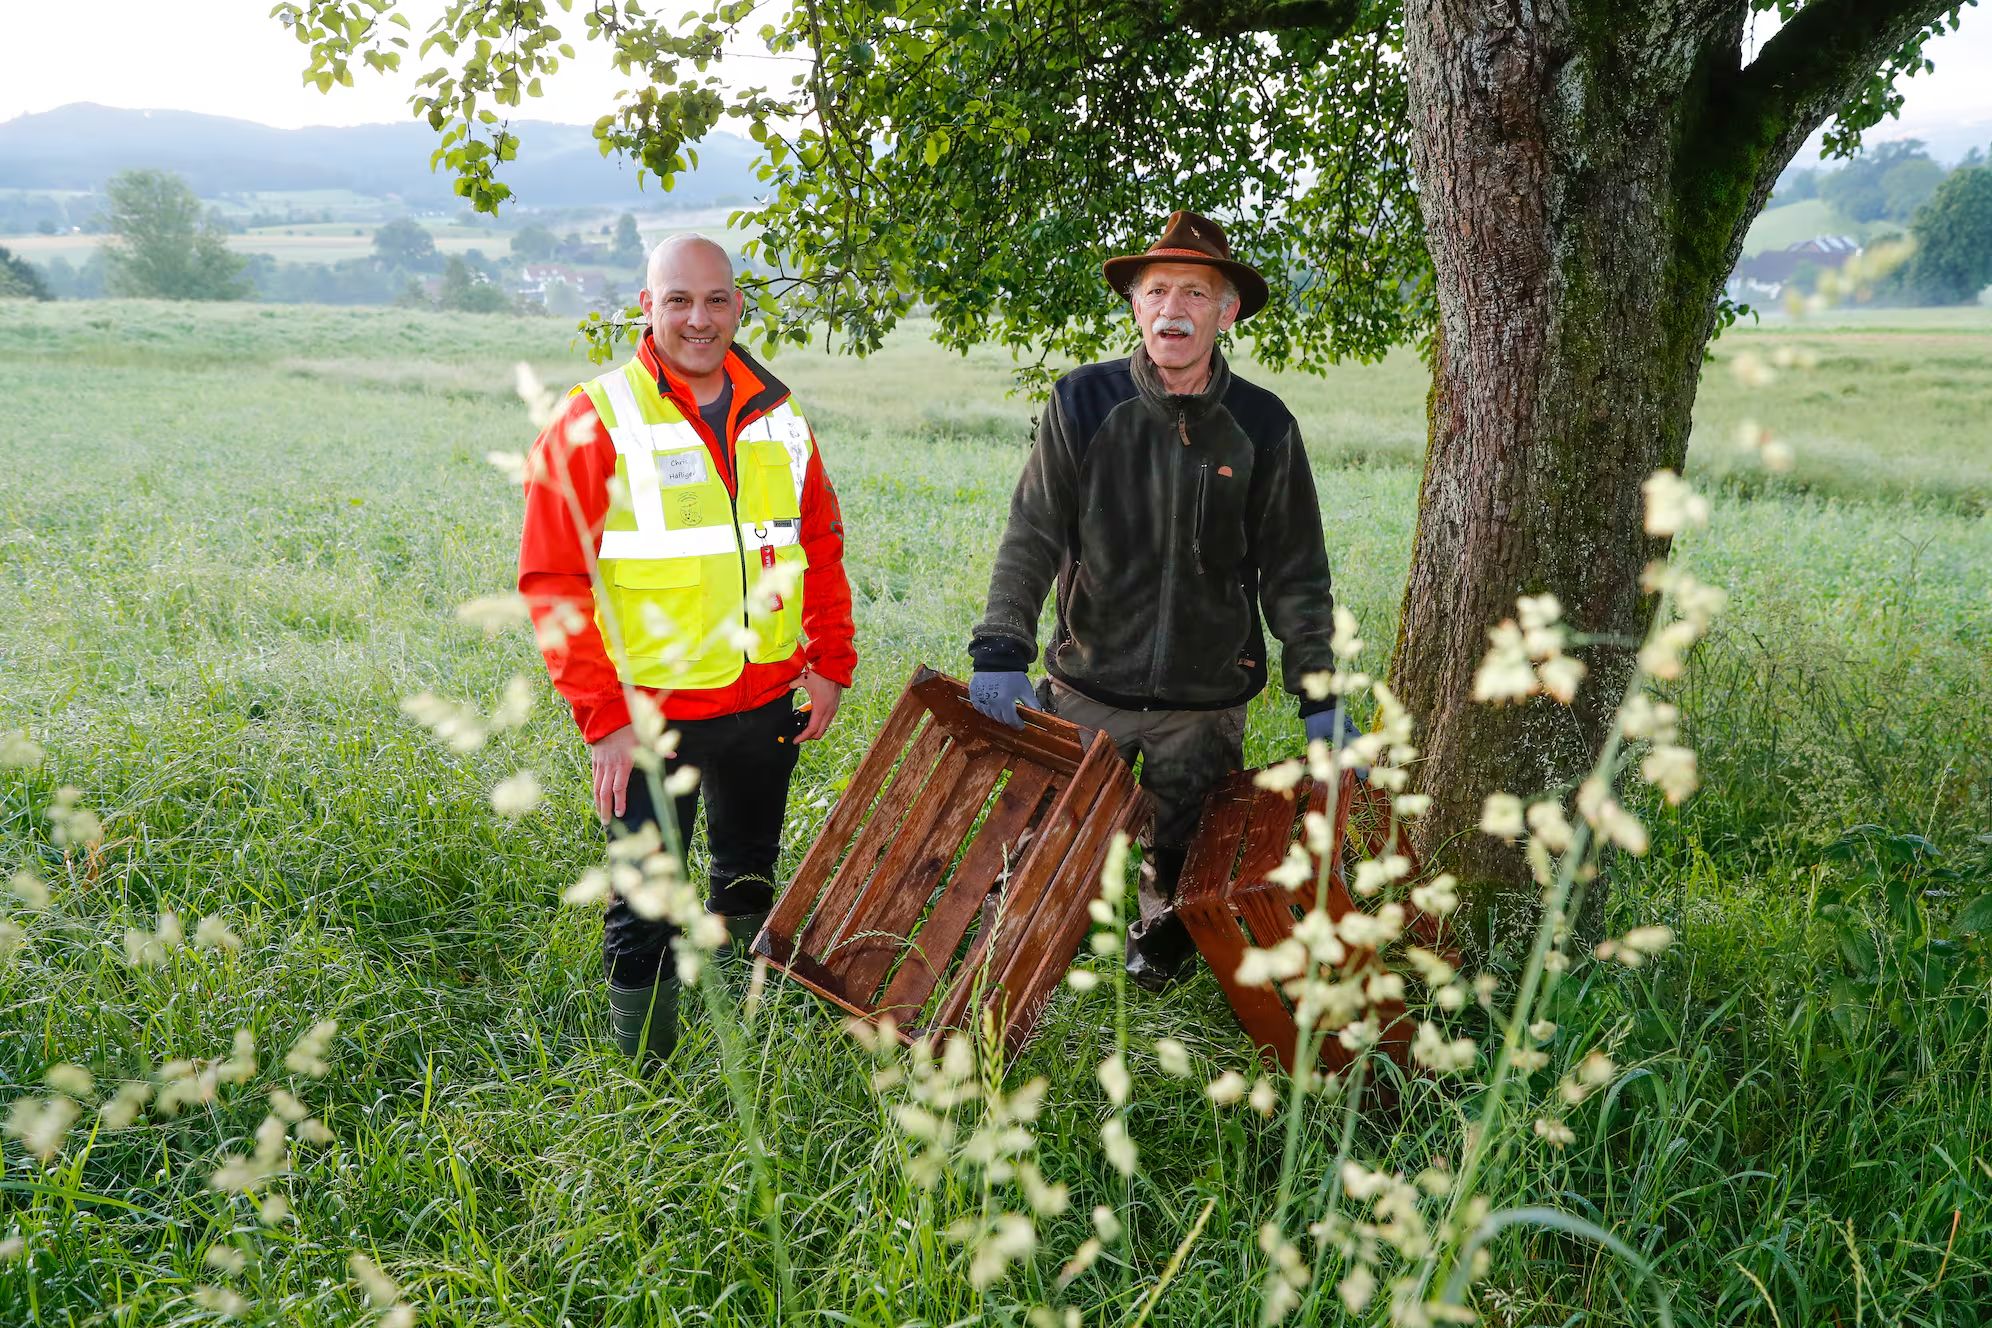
(1183, 325)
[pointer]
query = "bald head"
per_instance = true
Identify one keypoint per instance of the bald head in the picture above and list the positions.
(693, 309)
(671, 259)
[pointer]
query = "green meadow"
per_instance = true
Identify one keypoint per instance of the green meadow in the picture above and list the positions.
(234, 538)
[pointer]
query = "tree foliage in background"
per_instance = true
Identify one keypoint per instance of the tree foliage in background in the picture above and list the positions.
(1888, 182)
(626, 249)
(1953, 259)
(163, 246)
(533, 244)
(407, 245)
(19, 280)
(466, 291)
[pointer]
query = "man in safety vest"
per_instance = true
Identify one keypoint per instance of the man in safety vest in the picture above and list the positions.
(690, 481)
(1171, 503)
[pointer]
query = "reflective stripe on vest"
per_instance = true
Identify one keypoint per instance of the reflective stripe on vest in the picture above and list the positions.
(678, 551)
(639, 444)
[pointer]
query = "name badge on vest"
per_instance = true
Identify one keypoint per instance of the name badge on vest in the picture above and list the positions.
(686, 467)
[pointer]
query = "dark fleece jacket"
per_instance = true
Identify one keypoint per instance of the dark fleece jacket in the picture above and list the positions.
(1168, 522)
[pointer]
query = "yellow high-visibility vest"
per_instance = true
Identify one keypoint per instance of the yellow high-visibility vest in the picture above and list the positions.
(679, 553)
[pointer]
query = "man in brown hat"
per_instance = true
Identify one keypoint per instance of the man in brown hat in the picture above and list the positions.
(1171, 502)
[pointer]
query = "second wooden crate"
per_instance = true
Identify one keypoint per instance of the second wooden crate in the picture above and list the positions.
(1227, 903)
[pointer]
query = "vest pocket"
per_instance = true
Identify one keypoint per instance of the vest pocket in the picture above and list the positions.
(780, 629)
(659, 604)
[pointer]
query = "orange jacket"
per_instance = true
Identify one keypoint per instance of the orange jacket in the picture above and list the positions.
(554, 556)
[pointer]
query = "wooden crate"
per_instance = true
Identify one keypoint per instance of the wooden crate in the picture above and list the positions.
(1227, 903)
(886, 914)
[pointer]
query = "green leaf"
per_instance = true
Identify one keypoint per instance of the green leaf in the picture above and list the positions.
(1975, 918)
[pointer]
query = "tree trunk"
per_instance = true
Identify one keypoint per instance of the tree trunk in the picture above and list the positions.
(1578, 258)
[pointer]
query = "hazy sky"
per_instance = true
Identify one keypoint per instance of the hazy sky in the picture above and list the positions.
(228, 57)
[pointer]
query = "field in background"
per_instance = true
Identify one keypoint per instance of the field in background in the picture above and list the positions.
(233, 538)
(337, 241)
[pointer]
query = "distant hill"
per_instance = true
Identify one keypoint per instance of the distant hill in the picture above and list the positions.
(80, 146)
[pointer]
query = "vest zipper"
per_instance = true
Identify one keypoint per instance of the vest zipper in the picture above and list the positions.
(731, 447)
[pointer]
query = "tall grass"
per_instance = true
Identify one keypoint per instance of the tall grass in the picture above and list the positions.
(232, 540)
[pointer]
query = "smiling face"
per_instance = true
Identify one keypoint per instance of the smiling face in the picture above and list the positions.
(694, 309)
(1181, 307)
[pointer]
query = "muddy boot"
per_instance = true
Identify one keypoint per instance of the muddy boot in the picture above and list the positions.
(644, 1020)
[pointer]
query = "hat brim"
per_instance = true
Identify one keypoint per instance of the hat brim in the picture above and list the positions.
(1121, 271)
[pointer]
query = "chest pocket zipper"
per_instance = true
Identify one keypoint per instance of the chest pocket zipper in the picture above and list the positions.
(1196, 536)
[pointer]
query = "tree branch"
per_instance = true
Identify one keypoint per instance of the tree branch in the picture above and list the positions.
(1232, 18)
(1820, 58)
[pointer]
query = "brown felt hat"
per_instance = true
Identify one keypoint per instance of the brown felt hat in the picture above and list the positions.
(1189, 238)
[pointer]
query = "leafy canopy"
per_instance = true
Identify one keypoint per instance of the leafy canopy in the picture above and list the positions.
(982, 159)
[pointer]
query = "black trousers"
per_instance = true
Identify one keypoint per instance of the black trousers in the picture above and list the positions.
(744, 763)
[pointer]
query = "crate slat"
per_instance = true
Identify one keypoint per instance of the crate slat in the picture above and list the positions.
(900, 890)
(932, 951)
(1027, 885)
(840, 892)
(792, 909)
(1040, 962)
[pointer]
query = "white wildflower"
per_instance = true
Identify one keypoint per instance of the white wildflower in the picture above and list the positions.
(378, 1287)
(73, 1080)
(18, 751)
(1553, 1132)
(1672, 770)
(308, 1056)
(1501, 816)
(1547, 825)
(1173, 1057)
(1227, 1088)
(40, 1124)
(1438, 896)
(1671, 505)
(1642, 718)
(493, 614)
(1118, 1147)
(212, 933)
(1281, 778)
(1114, 1078)
(517, 796)
(30, 889)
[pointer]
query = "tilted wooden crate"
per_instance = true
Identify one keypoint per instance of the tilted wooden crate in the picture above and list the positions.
(886, 914)
(1228, 904)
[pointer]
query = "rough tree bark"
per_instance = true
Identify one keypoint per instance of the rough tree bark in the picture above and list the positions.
(1587, 172)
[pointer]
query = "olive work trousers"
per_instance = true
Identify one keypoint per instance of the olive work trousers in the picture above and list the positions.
(1184, 753)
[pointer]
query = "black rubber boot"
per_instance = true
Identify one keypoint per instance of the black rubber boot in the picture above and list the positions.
(743, 928)
(644, 1020)
(743, 904)
(1160, 951)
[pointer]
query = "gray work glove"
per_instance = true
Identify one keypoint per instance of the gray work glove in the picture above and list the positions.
(1322, 726)
(998, 695)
